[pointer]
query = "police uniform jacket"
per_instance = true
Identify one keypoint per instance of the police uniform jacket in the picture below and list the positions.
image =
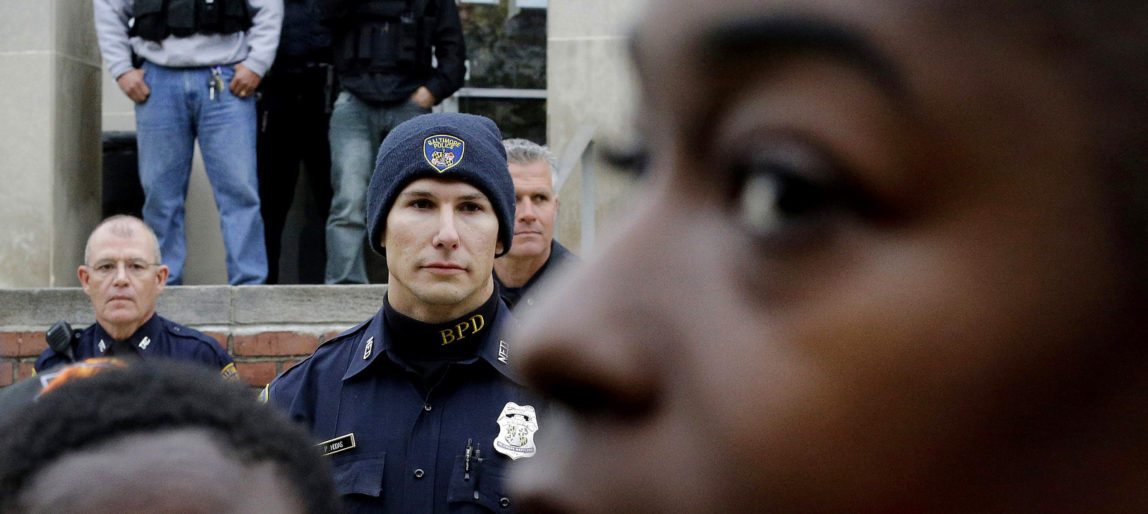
(157, 338)
(395, 448)
(528, 294)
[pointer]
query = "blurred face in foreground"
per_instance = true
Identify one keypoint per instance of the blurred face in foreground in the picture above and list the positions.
(178, 471)
(875, 271)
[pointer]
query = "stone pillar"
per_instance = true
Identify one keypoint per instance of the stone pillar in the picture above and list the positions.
(589, 80)
(49, 139)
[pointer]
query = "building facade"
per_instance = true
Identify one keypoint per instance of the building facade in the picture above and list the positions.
(547, 70)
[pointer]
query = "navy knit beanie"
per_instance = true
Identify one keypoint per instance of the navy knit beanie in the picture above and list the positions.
(446, 146)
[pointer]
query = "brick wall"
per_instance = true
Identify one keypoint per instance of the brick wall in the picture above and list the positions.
(266, 329)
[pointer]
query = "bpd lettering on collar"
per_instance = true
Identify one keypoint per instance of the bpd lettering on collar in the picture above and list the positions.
(460, 331)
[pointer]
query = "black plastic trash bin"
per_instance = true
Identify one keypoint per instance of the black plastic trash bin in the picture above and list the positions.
(122, 192)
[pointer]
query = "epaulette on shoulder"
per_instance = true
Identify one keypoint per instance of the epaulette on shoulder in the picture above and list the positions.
(346, 333)
(321, 353)
(178, 330)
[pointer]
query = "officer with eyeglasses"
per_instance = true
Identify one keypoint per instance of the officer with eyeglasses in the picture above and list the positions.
(123, 275)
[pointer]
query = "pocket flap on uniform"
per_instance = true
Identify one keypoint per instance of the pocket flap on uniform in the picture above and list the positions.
(362, 476)
(491, 490)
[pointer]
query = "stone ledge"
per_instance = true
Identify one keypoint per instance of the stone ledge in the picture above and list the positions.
(193, 305)
(305, 304)
(37, 309)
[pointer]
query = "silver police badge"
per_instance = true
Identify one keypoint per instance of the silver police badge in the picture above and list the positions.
(516, 427)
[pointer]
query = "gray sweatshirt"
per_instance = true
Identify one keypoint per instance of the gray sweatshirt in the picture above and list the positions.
(255, 48)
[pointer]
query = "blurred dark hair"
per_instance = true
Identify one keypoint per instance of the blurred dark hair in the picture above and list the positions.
(150, 397)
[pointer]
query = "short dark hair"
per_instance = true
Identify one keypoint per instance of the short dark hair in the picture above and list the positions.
(150, 397)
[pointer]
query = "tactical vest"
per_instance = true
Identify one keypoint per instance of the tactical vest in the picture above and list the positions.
(385, 34)
(155, 20)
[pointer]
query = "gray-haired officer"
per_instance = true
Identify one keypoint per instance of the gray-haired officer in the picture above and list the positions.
(123, 275)
(417, 407)
(535, 254)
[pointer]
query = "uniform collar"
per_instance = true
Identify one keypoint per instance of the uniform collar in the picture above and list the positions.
(558, 254)
(494, 349)
(141, 339)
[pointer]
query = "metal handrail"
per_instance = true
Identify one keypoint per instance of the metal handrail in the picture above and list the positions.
(501, 92)
(579, 150)
(450, 104)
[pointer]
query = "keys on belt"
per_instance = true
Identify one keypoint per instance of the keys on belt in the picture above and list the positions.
(215, 83)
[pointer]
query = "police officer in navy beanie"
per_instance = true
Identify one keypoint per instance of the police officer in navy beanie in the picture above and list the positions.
(441, 202)
(448, 146)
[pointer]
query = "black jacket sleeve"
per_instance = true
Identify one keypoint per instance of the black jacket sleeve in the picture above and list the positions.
(450, 50)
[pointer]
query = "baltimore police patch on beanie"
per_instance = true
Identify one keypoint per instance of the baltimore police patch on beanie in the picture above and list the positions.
(445, 146)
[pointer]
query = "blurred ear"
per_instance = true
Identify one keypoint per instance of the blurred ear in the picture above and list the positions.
(161, 274)
(498, 248)
(85, 278)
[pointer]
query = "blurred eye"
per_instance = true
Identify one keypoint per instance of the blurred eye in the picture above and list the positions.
(634, 160)
(785, 191)
(421, 203)
(771, 199)
(104, 267)
(138, 266)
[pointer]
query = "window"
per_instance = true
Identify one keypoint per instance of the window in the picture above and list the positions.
(506, 58)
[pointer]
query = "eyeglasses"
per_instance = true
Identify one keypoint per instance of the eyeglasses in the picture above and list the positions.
(136, 267)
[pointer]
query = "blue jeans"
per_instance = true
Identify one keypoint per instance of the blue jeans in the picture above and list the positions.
(177, 112)
(357, 129)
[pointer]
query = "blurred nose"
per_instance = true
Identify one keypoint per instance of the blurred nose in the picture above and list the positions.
(601, 347)
(594, 347)
(447, 234)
